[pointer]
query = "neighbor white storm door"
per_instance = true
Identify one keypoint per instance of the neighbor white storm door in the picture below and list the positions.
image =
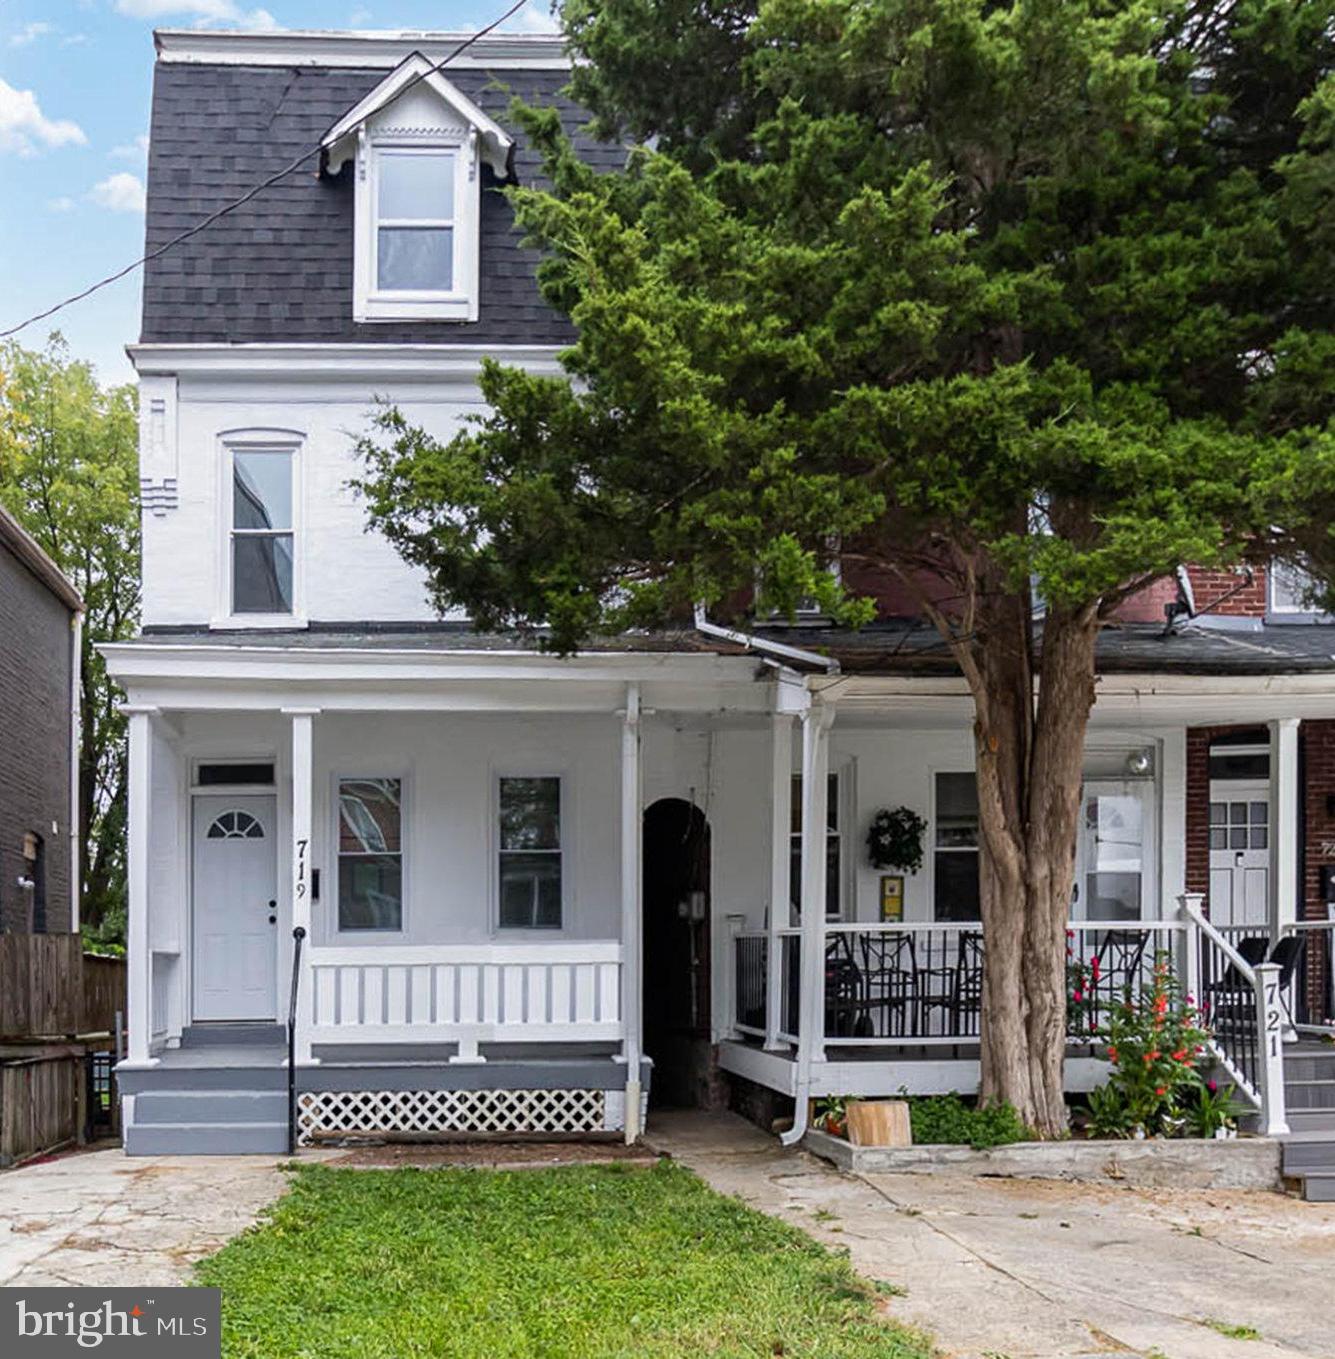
(235, 887)
(1115, 852)
(1240, 852)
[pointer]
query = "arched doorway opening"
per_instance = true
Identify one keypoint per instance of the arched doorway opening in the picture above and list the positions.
(676, 952)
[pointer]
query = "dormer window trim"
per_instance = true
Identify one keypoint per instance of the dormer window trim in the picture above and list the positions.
(373, 132)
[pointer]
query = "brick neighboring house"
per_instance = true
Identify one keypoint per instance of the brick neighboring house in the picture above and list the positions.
(40, 618)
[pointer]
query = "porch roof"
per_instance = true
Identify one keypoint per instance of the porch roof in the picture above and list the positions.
(911, 647)
(887, 647)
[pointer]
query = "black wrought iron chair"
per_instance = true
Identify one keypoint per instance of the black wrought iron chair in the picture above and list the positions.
(889, 969)
(1227, 997)
(955, 992)
(845, 1011)
(1120, 959)
(1287, 954)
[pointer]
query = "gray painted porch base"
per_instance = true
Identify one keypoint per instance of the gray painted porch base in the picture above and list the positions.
(219, 1098)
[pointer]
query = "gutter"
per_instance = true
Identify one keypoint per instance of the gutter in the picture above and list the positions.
(76, 729)
(751, 642)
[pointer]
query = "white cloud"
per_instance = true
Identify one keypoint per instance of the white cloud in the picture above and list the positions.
(203, 12)
(74, 40)
(359, 17)
(24, 128)
(62, 204)
(135, 150)
(29, 33)
(121, 192)
(535, 17)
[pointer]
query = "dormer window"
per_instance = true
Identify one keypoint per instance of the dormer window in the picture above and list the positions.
(419, 146)
(414, 219)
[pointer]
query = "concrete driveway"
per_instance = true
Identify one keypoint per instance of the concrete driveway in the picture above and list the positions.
(1028, 1269)
(99, 1217)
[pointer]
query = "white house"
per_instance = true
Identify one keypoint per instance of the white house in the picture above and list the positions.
(480, 888)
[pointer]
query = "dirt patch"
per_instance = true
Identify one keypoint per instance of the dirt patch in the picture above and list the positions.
(493, 1155)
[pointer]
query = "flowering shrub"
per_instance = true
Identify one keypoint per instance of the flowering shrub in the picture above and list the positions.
(1155, 1043)
(1082, 984)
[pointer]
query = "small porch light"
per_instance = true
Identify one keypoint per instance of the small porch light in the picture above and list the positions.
(1139, 762)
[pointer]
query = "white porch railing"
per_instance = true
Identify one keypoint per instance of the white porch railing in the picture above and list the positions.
(467, 993)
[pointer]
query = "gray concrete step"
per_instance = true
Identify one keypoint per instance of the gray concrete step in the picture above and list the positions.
(1319, 1188)
(265, 1034)
(1310, 1094)
(199, 1071)
(205, 1139)
(211, 1106)
(1311, 1120)
(1309, 1152)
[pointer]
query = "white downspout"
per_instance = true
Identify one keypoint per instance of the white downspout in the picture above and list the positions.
(76, 730)
(762, 644)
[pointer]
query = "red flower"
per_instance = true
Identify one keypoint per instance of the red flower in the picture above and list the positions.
(1079, 995)
(1180, 1055)
(1160, 1089)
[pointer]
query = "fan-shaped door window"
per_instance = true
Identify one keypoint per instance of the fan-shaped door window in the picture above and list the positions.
(235, 826)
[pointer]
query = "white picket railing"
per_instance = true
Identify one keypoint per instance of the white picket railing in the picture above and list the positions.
(466, 993)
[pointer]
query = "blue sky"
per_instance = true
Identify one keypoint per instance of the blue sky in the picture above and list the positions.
(75, 80)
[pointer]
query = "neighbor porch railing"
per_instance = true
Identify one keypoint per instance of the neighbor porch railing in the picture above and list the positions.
(1305, 956)
(911, 985)
(468, 994)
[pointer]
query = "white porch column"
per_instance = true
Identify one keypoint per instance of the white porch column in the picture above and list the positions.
(1284, 795)
(139, 961)
(303, 785)
(780, 910)
(816, 723)
(632, 960)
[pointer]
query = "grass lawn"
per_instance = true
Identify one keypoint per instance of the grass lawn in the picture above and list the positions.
(576, 1263)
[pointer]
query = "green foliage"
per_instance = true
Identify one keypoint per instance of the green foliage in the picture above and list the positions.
(1214, 1109)
(69, 472)
(894, 839)
(1007, 291)
(1231, 1329)
(947, 1118)
(1109, 1114)
(1154, 1043)
(831, 1114)
(578, 1263)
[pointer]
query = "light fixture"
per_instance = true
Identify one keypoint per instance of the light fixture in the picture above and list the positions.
(1139, 762)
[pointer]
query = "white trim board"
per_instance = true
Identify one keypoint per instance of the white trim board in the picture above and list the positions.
(367, 48)
(258, 361)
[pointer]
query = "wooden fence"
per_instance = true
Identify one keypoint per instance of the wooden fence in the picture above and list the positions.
(50, 988)
(41, 1103)
(103, 993)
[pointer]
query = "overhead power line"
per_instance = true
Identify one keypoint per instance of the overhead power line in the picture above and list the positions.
(245, 198)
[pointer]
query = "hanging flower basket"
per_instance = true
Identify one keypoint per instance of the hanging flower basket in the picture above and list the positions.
(895, 839)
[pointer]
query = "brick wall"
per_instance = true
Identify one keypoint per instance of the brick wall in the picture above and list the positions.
(1209, 585)
(1198, 809)
(34, 740)
(1319, 756)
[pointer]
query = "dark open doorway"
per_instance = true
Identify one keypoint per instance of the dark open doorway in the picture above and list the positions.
(676, 953)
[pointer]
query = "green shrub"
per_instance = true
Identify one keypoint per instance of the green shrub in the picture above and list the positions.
(947, 1118)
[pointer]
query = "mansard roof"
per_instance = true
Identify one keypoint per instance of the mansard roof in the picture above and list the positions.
(230, 110)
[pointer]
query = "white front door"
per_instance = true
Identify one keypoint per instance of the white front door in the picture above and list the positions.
(1114, 877)
(1239, 851)
(235, 889)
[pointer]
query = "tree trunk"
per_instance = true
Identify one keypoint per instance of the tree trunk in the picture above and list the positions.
(1029, 757)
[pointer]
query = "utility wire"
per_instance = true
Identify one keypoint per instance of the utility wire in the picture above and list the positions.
(245, 197)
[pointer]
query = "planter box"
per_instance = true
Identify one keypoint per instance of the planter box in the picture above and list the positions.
(1177, 1163)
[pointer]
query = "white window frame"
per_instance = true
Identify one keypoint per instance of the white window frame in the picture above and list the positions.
(232, 442)
(498, 930)
(458, 303)
(405, 807)
(932, 849)
(1284, 611)
(842, 802)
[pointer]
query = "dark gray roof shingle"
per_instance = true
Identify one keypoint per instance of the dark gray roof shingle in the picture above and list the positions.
(279, 268)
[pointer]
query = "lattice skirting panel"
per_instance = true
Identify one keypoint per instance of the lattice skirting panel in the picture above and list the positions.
(335, 1113)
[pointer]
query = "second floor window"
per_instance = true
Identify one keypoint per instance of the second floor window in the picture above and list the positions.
(415, 220)
(261, 538)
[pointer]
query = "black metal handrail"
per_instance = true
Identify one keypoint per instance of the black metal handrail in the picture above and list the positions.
(298, 934)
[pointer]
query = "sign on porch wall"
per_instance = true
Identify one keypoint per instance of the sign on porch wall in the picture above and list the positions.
(892, 897)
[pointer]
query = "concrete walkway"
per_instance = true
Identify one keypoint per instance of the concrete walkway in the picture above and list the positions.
(99, 1217)
(1028, 1269)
